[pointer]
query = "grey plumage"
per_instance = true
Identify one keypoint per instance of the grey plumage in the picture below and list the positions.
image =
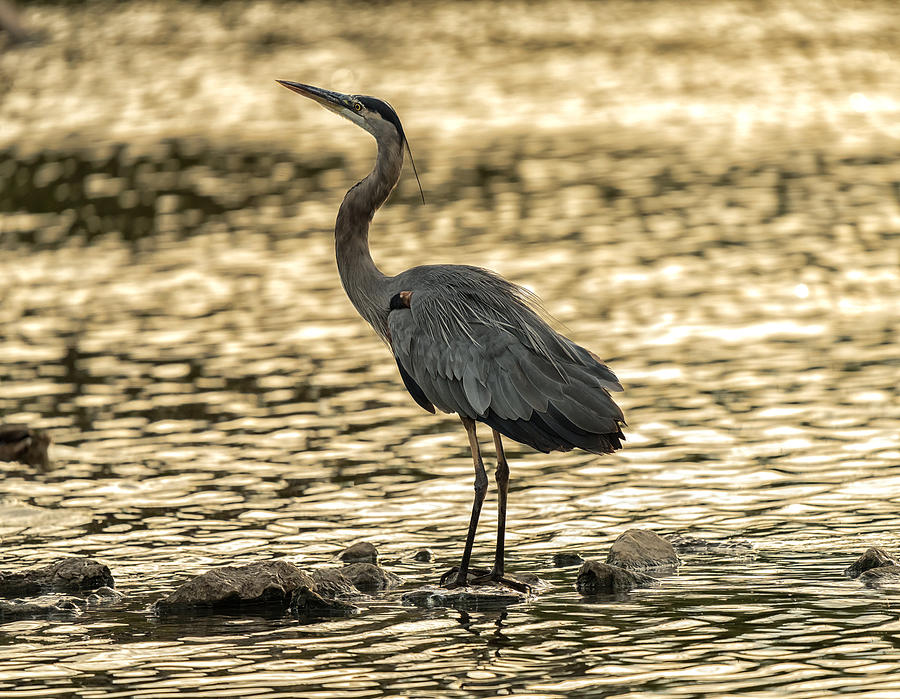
(465, 340)
(475, 346)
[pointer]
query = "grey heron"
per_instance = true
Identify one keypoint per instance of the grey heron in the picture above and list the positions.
(466, 340)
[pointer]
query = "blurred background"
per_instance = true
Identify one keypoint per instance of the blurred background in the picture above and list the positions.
(705, 194)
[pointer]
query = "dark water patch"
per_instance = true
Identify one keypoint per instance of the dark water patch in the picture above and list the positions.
(176, 186)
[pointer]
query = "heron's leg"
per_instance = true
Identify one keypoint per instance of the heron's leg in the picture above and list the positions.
(481, 484)
(501, 476)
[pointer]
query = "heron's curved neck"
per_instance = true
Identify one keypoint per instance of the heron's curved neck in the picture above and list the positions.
(362, 280)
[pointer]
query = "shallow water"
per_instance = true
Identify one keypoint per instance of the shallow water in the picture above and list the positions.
(170, 312)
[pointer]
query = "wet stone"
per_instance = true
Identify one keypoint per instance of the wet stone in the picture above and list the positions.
(638, 549)
(47, 606)
(873, 558)
(65, 575)
(566, 560)
(686, 544)
(368, 577)
(362, 552)
(278, 585)
(263, 584)
(307, 602)
(332, 582)
(883, 575)
(334, 587)
(468, 598)
(597, 578)
(103, 597)
(423, 556)
(532, 580)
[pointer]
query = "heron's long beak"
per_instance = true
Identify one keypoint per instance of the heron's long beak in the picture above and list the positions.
(335, 101)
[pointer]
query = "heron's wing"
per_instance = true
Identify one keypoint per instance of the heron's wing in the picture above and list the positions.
(491, 358)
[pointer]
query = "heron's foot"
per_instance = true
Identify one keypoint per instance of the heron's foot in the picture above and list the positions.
(452, 578)
(482, 576)
(497, 579)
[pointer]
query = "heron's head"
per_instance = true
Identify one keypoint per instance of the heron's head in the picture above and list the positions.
(374, 115)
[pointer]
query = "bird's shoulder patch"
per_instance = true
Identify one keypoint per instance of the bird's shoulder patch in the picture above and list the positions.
(401, 300)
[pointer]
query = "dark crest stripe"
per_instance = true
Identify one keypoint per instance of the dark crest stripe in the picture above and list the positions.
(385, 110)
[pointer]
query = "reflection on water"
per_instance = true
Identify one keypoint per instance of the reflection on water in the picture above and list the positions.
(170, 312)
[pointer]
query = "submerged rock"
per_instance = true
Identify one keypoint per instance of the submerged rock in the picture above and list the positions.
(307, 602)
(873, 558)
(65, 575)
(334, 586)
(103, 596)
(423, 556)
(277, 585)
(267, 583)
(368, 577)
(638, 549)
(566, 560)
(47, 606)
(684, 543)
(417, 556)
(25, 445)
(362, 552)
(332, 582)
(597, 578)
(533, 581)
(883, 575)
(468, 598)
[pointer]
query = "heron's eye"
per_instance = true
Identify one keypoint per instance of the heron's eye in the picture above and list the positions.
(357, 107)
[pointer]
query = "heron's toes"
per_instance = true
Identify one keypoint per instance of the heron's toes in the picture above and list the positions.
(482, 576)
(452, 578)
(511, 583)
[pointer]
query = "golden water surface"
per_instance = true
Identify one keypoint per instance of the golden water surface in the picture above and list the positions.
(707, 195)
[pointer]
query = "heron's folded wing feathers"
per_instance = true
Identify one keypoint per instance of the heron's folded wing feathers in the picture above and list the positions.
(463, 355)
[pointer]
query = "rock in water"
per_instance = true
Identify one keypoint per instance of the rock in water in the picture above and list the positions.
(872, 558)
(362, 552)
(46, 606)
(65, 575)
(687, 544)
(468, 598)
(423, 556)
(103, 597)
(306, 602)
(267, 583)
(331, 583)
(533, 580)
(563, 559)
(71, 574)
(638, 549)
(278, 585)
(368, 577)
(883, 575)
(596, 578)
